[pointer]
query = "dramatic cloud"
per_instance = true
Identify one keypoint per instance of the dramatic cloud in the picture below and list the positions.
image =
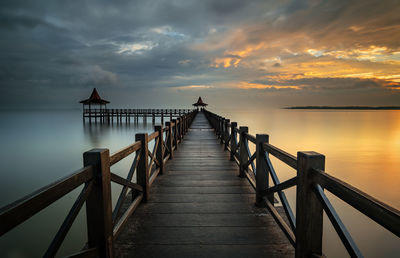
(274, 52)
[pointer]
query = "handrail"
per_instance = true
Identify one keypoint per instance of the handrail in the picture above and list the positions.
(153, 136)
(103, 223)
(282, 155)
(121, 154)
(17, 212)
(250, 138)
(305, 231)
(386, 216)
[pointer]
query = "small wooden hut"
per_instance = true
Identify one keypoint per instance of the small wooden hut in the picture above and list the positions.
(96, 100)
(199, 103)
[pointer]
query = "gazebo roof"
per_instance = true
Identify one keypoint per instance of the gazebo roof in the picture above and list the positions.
(199, 103)
(94, 99)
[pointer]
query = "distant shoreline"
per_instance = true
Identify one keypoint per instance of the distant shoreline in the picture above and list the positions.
(347, 107)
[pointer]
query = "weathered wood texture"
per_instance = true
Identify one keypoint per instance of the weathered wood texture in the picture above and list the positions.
(200, 208)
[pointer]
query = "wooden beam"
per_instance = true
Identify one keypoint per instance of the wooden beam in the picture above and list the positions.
(262, 177)
(142, 172)
(308, 208)
(98, 204)
(24, 208)
(119, 155)
(281, 155)
(386, 216)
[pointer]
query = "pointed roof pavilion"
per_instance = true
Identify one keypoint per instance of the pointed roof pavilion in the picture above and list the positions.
(94, 99)
(200, 103)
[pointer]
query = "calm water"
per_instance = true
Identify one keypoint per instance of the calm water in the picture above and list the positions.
(361, 148)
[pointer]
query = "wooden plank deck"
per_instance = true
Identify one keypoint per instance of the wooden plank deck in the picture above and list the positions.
(201, 208)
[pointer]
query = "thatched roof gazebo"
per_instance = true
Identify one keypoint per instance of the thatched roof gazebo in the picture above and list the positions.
(200, 103)
(94, 99)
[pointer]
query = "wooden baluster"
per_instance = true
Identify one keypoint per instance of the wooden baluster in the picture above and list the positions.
(178, 129)
(233, 137)
(226, 136)
(98, 203)
(169, 140)
(218, 123)
(175, 136)
(222, 133)
(243, 157)
(182, 128)
(262, 176)
(184, 119)
(160, 148)
(217, 126)
(142, 173)
(309, 211)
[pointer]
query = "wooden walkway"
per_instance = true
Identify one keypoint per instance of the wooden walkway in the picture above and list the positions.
(201, 208)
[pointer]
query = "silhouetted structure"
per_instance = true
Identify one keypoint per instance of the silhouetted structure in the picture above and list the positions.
(108, 115)
(94, 99)
(200, 103)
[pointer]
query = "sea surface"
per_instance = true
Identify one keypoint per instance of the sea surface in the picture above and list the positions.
(361, 148)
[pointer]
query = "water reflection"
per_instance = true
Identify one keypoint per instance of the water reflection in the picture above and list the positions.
(361, 148)
(95, 133)
(51, 144)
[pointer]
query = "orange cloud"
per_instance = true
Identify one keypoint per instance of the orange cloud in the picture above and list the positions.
(249, 85)
(233, 58)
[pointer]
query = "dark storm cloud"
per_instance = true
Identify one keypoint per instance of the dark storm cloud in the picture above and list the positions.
(9, 20)
(71, 46)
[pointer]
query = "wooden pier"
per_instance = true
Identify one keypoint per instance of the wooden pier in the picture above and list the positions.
(200, 208)
(201, 192)
(108, 115)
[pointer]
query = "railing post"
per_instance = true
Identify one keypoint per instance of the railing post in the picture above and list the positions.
(262, 177)
(308, 209)
(221, 127)
(243, 157)
(180, 128)
(218, 123)
(183, 126)
(169, 140)
(142, 173)
(160, 147)
(175, 130)
(226, 135)
(233, 142)
(98, 203)
(222, 134)
(187, 121)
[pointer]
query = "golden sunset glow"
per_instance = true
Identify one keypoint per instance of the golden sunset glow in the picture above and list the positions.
(377, 64)
(282, 52)
(309, 54)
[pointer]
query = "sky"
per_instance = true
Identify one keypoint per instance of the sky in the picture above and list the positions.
(233, 53)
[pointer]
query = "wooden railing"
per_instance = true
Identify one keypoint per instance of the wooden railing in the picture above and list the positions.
(103, 223)
(305, 229)
(108, 115)
(137, 111)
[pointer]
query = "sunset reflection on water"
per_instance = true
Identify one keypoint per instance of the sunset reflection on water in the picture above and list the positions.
(361, 148)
